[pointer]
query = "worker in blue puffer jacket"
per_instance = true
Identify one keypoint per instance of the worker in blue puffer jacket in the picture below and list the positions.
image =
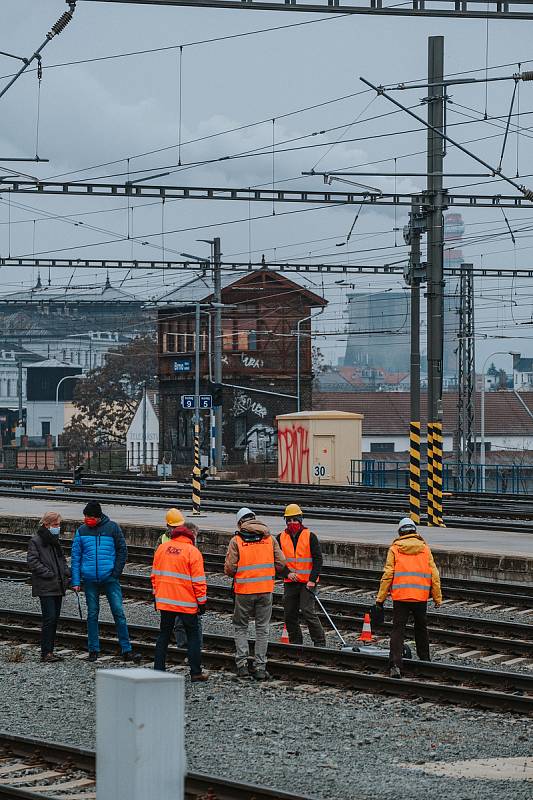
(99, 554)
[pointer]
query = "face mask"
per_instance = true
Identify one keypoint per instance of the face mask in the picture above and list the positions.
(91, 522)
(54, 530)
(294, 527)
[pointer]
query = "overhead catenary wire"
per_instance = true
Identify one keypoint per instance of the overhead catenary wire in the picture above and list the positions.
(57, 28)
(523, 189)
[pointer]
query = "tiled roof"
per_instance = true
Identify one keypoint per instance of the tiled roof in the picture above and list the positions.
(200, 289)
(388, 412)
(356, 376)
(523, 365)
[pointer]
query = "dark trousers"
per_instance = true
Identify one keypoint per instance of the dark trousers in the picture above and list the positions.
(296, 599)
(400, 615)
(192, 631)
(51, 609)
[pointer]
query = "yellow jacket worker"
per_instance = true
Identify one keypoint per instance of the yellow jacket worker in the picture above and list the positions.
(410, 576)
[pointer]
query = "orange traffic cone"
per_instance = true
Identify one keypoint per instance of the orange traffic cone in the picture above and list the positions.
(366, 633)
(284, 636)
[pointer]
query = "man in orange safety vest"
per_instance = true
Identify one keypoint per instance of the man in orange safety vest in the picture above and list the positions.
(253, 558)
(302, 550)
(410, 575)
(180, 590)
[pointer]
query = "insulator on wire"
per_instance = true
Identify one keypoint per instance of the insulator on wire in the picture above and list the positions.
(61, 24)
(39, 70)
(527, 76)
(528, 193)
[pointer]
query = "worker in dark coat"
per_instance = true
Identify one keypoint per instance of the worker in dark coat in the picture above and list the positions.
(49, 579)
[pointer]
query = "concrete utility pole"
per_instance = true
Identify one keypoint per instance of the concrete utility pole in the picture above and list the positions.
(413, 277)
(144, 426)
(466, 434)
(435, 294)
(19, 392)
(217, 296)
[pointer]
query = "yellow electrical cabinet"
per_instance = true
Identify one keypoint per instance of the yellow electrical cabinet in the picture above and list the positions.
(317, 447)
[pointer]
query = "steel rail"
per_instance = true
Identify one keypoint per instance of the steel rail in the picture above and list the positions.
(508, 691)
(482, 519)
(489, 635)
(197, 784)
(16, 477)
(351, 577)
(348, 497)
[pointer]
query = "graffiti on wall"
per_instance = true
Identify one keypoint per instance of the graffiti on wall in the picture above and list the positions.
(243, 403)
(251, 361)
(260, 443)
(293, 454)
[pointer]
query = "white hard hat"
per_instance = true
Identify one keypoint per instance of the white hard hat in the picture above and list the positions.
(244, 512)
(406, 524)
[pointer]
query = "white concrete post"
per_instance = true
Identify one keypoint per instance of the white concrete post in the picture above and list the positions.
(140, 739)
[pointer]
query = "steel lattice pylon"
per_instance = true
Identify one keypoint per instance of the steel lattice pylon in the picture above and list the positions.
(466, 435)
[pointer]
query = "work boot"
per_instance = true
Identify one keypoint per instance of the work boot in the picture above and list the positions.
(131, 656)
(395, 672)
(261, 675)
(243, 672)
(51, 658)
(201, 678)
(93, 655)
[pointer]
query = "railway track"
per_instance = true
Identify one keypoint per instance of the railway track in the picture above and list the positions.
(476, 635)
(494, 595)
(332, 503)
(432, 681)
(38, 769)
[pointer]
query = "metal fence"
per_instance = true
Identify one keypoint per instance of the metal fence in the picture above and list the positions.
(107, 460)
(499, 478)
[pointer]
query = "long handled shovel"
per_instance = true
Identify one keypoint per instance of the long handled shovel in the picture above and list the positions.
(345, 646)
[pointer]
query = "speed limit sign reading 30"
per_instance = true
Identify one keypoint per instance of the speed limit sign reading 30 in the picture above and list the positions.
(320, 471)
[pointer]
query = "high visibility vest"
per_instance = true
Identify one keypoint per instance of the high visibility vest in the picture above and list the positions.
(256, 571)
(300, 560)
(412, 575)
(178, 577)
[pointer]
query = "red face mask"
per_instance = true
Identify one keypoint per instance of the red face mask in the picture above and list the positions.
(91, 522)
(294, 526)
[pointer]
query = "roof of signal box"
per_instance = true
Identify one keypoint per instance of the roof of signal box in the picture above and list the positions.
(302, 415)
(200, 288)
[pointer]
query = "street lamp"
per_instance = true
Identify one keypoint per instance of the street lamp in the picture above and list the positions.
(482, 442)
(305, 319)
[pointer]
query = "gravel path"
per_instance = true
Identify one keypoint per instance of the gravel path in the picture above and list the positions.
(331, 745)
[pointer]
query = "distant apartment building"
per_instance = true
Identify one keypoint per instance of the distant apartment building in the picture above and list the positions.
(378, 331)
(508, 420)
(378, 323)
(77, 326)
(522, 373)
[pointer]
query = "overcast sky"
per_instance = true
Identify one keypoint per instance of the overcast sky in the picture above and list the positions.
(115, 109)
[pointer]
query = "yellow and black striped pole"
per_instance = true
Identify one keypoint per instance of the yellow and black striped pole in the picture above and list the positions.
(196, 470)
(196, 485)
(414, 472)
(432, 519)
(437, 472)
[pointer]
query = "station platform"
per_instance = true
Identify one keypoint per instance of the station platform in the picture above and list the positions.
(493, 555)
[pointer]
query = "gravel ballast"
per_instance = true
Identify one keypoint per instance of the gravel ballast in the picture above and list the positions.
(330, 744)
